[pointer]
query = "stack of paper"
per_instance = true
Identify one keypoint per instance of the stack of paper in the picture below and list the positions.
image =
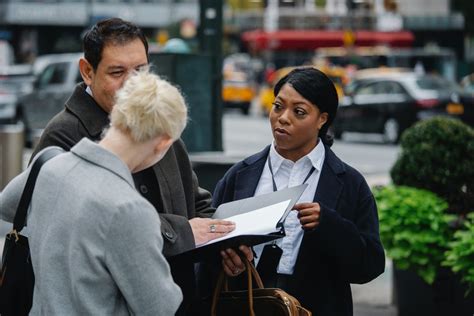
(258, 220)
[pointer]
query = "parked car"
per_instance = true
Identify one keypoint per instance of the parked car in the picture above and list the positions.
(15, 81)
(467, 83)
(57, 77)
(389, 101)
(8, 108)
(238, 91)
(238, 85)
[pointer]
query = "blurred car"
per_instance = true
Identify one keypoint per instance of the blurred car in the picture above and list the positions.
(15, 81)
(238, 92)
(388, 101)
(55, 82)
(238, 85)
(467, 83)
(8, 112)
(266, 97)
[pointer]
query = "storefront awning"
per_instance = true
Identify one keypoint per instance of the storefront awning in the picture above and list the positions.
(312, 39)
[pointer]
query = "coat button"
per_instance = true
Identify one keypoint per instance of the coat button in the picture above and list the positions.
(143, 189)
(168, 234)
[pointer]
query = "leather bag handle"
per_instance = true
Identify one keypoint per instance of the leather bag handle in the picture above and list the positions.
(20, 216)
(222, 281)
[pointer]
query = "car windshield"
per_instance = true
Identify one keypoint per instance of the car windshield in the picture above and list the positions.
(435, 83)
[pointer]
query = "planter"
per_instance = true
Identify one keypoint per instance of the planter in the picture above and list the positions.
(411, 295)
(414, 297)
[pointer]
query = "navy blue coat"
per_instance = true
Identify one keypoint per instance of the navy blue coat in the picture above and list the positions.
(344, 248)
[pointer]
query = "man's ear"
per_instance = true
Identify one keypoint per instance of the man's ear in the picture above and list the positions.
(87, 71)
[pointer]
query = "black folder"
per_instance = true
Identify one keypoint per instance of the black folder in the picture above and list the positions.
(208, 251)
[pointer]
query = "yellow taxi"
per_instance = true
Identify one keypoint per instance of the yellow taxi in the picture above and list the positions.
(238, 91)
(338, 76)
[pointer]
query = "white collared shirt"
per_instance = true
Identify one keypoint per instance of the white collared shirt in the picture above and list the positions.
(286, 174)
(89, 91)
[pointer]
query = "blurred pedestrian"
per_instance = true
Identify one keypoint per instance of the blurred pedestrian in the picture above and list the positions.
(96, 243)
(332, 237)
(112, 49)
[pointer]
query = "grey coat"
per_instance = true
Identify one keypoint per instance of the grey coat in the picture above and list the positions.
(94, 242)
(180, 198)
(171, 185)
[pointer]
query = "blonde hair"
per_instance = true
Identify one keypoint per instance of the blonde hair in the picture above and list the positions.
(148, 106)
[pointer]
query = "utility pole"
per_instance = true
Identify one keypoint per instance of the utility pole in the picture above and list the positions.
(90, 13)
(270, 25)
(270, 19)
(210, 40)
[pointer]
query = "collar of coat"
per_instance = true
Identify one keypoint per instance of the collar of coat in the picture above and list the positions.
(99, 156)
(90, 114)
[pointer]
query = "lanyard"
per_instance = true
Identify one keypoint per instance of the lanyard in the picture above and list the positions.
(273, 178)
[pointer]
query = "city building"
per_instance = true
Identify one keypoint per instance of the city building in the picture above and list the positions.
(286, 32)
(60, 23)
(36, 27)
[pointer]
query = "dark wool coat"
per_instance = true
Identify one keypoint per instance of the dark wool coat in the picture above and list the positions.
(345, 248)
(171, 185)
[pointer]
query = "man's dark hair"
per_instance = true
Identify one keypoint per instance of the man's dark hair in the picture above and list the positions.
(113, 31)
(313, 85)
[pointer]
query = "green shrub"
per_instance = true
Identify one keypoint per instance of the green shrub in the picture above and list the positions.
(438, 155)
(460, 256)
(414, 228)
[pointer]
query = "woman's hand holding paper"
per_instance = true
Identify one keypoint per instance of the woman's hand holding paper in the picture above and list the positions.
(206, 229)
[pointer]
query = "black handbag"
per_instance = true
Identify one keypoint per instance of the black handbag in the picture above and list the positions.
(17, 279)
(258, 301)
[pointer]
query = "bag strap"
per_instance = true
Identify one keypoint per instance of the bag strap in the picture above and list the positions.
(252, 274)
(222, 281)
(293, 305)
(20, 216)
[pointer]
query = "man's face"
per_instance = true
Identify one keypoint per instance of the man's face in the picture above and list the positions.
(116, 63)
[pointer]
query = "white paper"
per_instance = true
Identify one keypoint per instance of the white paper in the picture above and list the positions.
(251, 204)
(261, 221)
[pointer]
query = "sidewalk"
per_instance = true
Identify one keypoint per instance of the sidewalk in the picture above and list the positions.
(373, 310)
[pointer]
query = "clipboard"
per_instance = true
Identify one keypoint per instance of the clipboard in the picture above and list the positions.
(259, 209)
(293, 194)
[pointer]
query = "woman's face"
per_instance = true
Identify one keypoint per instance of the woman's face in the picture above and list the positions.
(295, 123)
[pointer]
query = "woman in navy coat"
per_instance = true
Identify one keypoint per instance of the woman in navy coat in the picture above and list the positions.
(332, 235)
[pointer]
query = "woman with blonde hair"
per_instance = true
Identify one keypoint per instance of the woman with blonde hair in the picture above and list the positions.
(96, 243)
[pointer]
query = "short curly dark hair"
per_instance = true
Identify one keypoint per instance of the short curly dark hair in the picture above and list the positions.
(109, 31)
